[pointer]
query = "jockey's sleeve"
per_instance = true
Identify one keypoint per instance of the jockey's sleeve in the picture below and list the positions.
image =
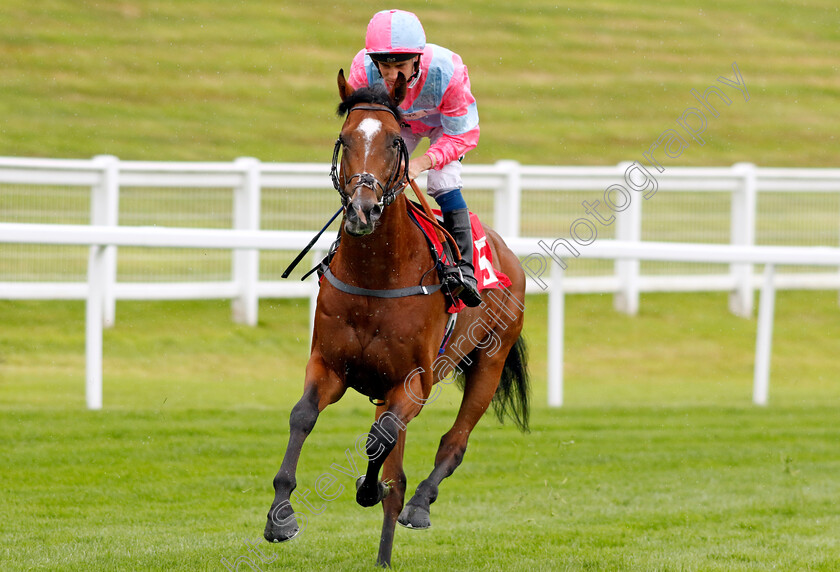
(458, 117)
(358, 75)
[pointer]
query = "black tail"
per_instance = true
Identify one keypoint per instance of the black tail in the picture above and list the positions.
(512, 395)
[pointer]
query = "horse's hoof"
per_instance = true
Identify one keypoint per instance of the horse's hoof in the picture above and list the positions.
(276, 534)
(279, 528)
(415, 517)
(365, 498)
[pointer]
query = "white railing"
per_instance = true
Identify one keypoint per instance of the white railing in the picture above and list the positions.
(769, 256)
(511, 185)
(101, 239)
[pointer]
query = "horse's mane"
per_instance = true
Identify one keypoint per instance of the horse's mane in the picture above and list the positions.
(371, 94)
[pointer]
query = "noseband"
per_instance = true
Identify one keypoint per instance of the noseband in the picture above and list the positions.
(397, 180)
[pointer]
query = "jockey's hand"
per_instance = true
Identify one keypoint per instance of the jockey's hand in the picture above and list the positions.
(418, 165)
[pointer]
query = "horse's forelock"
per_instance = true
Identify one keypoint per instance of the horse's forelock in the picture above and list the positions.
(373, 94)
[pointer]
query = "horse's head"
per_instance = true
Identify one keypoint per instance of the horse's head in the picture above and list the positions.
(374, 159)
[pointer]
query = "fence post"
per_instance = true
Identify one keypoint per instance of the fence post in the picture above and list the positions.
(508, 199)
(246, 263)
(764, 338)
(94, 309)
(628, 227)
(556, 325)
(105, 208)
(742, 233)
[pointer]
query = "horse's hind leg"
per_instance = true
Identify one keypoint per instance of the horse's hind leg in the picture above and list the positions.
(481, 381)
(281, 523)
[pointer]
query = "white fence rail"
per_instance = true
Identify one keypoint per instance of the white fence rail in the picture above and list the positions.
(520, 206)
(522, 203)
(101, 239)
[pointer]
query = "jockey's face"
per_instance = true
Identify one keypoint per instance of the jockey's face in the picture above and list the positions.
(390, 71)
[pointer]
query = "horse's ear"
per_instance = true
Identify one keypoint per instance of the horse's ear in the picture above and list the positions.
(345, 90)
(399, 89)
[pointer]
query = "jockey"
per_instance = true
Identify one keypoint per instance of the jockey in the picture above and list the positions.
(439, 106)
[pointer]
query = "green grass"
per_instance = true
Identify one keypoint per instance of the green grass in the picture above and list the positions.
(695, 488)
(681, 350)
(657, 462)
(557, 83)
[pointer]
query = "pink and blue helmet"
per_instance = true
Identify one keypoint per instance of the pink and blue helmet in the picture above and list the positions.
(394, 35)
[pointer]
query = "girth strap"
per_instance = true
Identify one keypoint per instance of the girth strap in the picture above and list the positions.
(393, 293)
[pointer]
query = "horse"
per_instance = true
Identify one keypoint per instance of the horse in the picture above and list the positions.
(379, 322)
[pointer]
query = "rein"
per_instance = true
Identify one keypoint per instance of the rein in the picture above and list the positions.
(443, 235)
(420, 289)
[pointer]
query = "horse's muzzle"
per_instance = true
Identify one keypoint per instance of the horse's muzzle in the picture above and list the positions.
(362, 214)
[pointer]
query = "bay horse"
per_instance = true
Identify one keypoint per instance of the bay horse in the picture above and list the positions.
(379, 323)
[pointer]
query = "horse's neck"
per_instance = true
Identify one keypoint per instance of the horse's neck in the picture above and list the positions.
(390, 257)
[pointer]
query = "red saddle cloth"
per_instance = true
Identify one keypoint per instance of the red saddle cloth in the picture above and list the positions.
(487, 276)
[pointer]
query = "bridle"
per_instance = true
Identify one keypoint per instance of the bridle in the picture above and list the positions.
(397, 180)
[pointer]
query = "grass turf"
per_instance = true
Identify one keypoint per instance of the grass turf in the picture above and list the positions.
(658, 462)
(691, 488)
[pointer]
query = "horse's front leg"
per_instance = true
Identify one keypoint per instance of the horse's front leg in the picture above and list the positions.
(391, 421)
(392, 504)
(385, 445)
(321, 389)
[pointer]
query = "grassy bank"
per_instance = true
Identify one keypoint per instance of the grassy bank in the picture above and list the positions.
(556, 83)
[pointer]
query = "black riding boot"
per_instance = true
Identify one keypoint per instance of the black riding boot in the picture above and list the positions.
(462, 277)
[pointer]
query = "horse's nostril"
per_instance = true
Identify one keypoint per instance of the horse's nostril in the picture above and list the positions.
(360, 214)
(375, 212)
